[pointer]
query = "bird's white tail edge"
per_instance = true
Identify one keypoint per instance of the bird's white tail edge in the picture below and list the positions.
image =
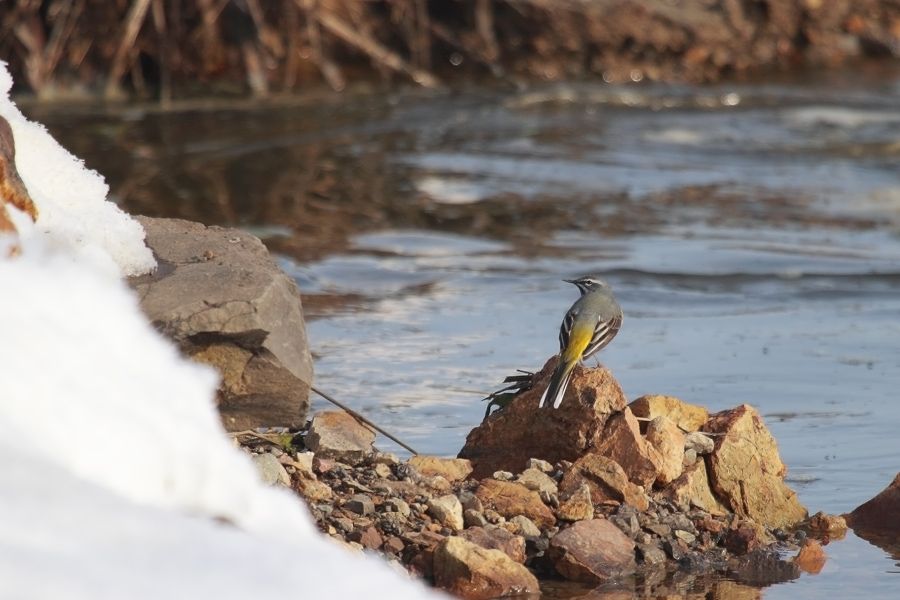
(562, 389)
(556, 388)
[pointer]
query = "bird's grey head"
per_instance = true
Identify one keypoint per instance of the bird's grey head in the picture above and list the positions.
(589, 283)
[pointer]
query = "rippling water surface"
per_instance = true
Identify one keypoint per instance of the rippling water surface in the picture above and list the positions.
(751, 233)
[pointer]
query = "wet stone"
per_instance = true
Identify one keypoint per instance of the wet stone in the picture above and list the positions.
(742, 539)
(675, 548)
(592, 552)
(628, 524)
(470, 571)
(679, 521)
(651, 554)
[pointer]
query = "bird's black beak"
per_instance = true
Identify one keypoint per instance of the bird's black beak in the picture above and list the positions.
(570, 280)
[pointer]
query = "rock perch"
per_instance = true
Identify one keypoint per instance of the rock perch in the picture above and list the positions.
(219, 295)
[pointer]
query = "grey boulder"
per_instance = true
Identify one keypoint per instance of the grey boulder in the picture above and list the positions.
(218, 294)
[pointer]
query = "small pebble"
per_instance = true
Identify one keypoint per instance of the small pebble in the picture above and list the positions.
(382, 470)
(493, 516)
(541, 465)
(360, 504)
(474, 518)
(526, 526)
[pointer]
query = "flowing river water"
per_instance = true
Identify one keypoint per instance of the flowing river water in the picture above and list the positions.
(750, 231)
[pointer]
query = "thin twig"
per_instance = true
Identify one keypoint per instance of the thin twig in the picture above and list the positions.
(361, 418)
(378, 52)
(133, 23)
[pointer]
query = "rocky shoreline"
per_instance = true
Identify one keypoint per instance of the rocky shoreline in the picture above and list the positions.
(651, 495)
(592, 520)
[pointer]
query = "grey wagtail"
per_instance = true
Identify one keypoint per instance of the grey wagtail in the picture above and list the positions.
(591, 324)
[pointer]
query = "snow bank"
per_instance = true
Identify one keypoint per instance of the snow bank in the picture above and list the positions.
(118, 480)
(73, 211)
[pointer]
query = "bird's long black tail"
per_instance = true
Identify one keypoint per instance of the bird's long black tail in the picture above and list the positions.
(559, 381)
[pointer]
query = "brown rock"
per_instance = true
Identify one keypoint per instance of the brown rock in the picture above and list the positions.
(219, 295)
(541, 465)
(335, 434)
(622, 442)
(303, 463)
(668, 441)
(525, 527)
(395, 488)
(811, 557)
(746, 471)
(825, 526)
(474, 518)
(880, 515)
(451, 469)
(698, 443)
(537, 480)
(578, 506)
(711, 525)
(469, 571)
(688, 417)
(312, 490)
(367, 538)
(497, 538)
(12, 188)
(606, 480)
(447, 511)
(510, 499)
(692, 489)
(393, 545)
(742, 538)
(508, 438)
(592, 551)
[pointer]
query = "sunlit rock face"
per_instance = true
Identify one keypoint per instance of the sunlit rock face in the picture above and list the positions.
(220, 296)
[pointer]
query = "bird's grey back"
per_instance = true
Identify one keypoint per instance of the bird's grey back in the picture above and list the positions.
(601, 303)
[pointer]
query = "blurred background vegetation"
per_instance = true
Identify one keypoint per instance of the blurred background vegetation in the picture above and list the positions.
(175, 48)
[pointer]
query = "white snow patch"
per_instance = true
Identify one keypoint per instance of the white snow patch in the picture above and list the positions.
(72, 208)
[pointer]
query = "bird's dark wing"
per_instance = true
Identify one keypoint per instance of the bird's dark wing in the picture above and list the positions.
(604, 332)
(565, 330)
